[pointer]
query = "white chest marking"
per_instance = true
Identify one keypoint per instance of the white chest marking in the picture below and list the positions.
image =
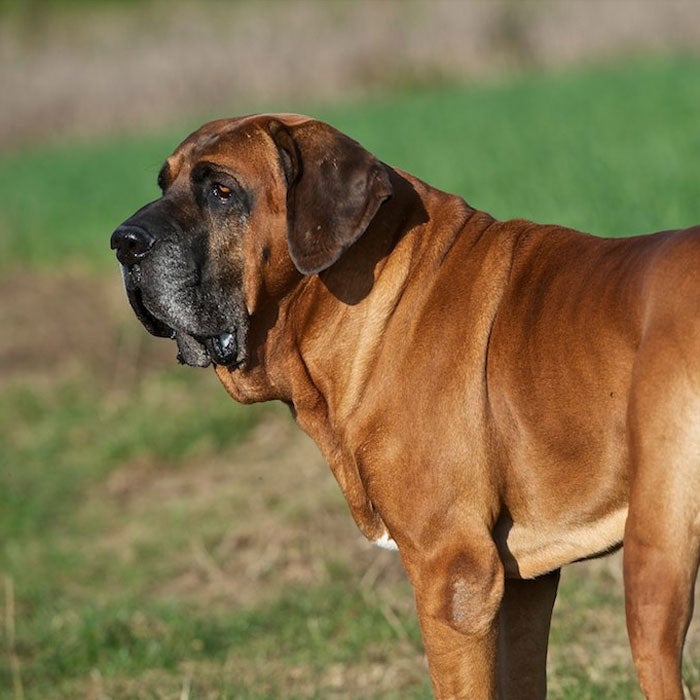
(385, 542)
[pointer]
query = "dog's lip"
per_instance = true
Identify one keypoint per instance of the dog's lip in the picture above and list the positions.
(225, 347)
(152, 324)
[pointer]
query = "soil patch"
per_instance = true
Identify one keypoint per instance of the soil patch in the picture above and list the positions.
(59, 325)
(277, 519)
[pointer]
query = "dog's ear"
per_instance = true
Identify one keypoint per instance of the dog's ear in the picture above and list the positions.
(334, 189)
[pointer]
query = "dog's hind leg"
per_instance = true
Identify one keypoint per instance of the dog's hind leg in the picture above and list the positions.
(659, 584)
(523, 635)
(662, 534)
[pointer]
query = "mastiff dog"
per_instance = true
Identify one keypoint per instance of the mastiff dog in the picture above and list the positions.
(495, 398)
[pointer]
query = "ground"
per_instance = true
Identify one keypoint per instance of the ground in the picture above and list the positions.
(263, 517)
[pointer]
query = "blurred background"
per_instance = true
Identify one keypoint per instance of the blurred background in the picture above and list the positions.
(156, 539)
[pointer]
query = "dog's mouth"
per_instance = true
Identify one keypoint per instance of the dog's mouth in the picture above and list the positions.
(226, 347)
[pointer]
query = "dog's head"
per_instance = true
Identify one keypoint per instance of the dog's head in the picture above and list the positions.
(248, 207)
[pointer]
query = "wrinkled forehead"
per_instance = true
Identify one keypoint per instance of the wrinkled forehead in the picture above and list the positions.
(227, 139)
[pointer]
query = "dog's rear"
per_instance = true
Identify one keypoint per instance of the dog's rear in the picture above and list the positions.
(662, 534)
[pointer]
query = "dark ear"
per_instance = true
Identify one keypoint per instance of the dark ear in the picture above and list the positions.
(335, 188)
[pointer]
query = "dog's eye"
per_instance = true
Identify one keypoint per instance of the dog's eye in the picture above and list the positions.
(221, 192)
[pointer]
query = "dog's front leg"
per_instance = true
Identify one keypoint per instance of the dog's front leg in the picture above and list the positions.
(458, 593)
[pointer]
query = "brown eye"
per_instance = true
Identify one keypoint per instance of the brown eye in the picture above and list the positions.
(221, 192)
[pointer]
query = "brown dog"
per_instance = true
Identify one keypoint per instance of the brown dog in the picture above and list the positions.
(496, 398)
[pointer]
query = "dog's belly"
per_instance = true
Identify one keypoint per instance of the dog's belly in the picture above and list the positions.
(528, 552)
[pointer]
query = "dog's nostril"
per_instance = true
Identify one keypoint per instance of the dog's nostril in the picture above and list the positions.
(132, 243)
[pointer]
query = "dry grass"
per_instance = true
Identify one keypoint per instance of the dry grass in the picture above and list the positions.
(277, 518)
(107, 68)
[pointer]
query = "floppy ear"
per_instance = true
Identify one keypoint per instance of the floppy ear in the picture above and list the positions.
(335, 188)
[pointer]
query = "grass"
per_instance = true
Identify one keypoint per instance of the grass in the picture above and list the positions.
(65, 427)
(607, 150)
(312, 629)
(148, 550)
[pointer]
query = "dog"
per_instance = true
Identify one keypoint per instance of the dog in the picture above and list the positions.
(495, 398)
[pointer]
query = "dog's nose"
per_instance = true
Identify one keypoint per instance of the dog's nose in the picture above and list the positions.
(132, 243)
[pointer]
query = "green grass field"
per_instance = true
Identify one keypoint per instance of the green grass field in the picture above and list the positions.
(606, 150)
(159, 541)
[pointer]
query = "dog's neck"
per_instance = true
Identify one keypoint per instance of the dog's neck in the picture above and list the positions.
(366, 283)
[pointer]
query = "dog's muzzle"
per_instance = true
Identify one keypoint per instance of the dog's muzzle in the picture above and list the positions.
(225, 347)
